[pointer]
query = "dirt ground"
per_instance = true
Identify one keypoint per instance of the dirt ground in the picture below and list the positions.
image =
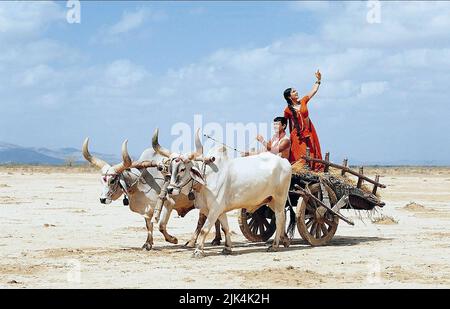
(55, 234)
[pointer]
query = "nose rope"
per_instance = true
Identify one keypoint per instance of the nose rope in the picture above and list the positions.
(180, 187)
(192, 179)
(118, 184)
(122, 177)
(111, 192)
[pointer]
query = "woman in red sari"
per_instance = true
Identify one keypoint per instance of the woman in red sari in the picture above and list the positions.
(302, 131)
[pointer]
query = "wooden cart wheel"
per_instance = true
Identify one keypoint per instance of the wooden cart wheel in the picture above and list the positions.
(316, 225)
(259, 225)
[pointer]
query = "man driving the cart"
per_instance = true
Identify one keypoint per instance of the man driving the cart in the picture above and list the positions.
(279, 144)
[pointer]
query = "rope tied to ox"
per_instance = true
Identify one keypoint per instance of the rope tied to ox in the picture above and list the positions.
(232, 148)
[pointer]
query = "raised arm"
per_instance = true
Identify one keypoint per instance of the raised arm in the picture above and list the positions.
(260, 139)
(316, 85)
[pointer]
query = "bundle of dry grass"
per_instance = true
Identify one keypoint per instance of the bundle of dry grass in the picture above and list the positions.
(385, 220)
(412, 206)
(415, 207)
(298, 168)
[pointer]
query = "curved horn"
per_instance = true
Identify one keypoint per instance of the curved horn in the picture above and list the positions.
(125, 156)
(126, 160)
(158, 149)
(93, 160)
(198, 143)
(198, 147)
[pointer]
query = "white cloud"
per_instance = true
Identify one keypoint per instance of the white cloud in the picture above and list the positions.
(36, 76)
(372, 89)
(50, 100)
(19, 19)
(403, 25)
(372, 74)
(123, 73)
(130, 21)
(39, 51)
(313, 6)
(351, 70)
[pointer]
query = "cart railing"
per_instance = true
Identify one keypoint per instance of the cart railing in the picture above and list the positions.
(345, 169)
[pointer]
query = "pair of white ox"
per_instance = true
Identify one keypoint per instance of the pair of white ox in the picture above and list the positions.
(141, 183)
(221, 184)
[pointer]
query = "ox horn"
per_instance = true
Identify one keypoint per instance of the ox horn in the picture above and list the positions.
(158, 149)
(126, 160)
(198, 143)
(198, 146)
(93, 160)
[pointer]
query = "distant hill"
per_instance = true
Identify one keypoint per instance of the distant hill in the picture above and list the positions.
(14, 154)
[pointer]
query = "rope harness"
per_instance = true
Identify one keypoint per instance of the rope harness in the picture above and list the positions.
(126, 188)
(191, 180)
(211, 138)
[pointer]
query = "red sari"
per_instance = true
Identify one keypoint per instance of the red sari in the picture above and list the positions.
(308, 136)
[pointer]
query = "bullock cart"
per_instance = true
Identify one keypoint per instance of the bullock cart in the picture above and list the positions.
(317, 198)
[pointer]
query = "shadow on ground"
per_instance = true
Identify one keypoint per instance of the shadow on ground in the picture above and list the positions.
(240, 248)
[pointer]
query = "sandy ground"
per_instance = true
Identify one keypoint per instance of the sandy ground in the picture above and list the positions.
(54, 233)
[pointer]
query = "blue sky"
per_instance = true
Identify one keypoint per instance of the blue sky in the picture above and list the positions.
(130, 67)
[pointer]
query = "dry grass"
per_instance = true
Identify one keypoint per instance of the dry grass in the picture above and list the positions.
(412, 206)
(384, 220)
(299, 168)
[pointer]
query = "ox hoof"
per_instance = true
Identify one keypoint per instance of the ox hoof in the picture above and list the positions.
(227, 251)
(189, 244)
(272, 249)
(286, 243)
(147, 246)
(172, 240)
(215, 242)
(198, 254)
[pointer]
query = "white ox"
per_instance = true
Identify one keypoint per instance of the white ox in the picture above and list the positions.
(228, 184)
(142, 186)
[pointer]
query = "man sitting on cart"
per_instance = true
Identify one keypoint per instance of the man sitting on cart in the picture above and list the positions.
(279, 144)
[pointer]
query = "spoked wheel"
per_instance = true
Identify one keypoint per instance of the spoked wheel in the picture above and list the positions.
(259, 225)
(315, 223)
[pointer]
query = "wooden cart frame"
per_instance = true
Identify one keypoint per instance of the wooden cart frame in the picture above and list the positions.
(317, 203)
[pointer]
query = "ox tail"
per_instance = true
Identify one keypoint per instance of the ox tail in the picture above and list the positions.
(292, 221)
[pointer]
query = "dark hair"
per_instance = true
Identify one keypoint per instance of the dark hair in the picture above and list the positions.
(287, 97)
(283, 120)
